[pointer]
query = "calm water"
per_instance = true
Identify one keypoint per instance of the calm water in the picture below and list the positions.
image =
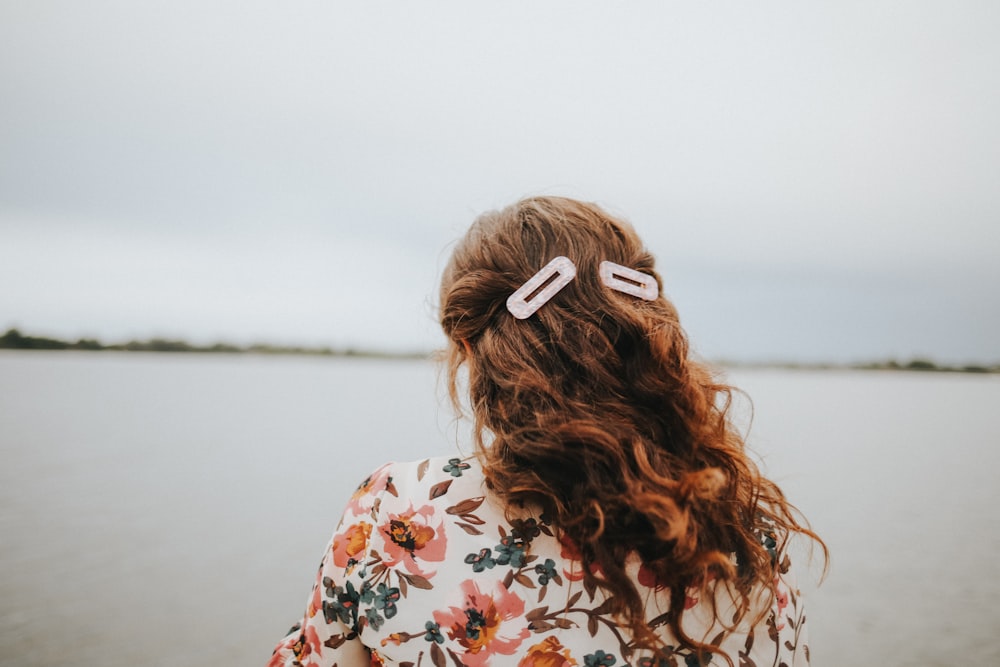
(170, 510)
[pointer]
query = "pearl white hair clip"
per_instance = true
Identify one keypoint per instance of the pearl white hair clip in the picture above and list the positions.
(630, 281)
(518, 304)
(542, 286)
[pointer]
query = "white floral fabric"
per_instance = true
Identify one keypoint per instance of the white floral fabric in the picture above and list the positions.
(426, 570)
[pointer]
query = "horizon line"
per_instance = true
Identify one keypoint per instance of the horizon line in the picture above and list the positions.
(13, 339)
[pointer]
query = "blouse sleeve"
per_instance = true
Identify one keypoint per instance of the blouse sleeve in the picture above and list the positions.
(327, 635)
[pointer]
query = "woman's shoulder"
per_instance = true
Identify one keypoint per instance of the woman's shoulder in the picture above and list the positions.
(446, 466)
(444, 470)
(418, 481)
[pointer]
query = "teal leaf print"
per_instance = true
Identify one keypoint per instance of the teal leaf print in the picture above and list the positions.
(455, 467)
(433, 633)
(386, 599)
(482, 561)
(546, 571)
(599, 659)
(343, 606)
(511, 551)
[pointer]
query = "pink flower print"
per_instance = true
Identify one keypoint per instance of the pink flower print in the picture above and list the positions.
(485, 624)
(780, 603)
(349, 546)
(571, 554)
(549, 653)
(648, 578)
(412, 536)
(364, 496)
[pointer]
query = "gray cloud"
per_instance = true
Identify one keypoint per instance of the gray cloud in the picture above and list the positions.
(210, 140)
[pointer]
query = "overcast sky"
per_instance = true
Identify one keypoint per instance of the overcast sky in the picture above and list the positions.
(817, 181)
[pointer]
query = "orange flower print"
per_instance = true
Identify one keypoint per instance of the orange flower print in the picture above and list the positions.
(549, 653)
(363, 497)
(485, 624)
(349, 546)
(311, 643)
(412, 537)
(303, 646)
(315, 601)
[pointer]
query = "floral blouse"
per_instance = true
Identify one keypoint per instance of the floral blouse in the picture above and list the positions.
(425, 570)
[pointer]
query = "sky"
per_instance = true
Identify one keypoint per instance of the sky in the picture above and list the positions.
(818, 181)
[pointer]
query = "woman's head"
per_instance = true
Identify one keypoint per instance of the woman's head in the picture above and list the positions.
(503, 249)
(594, 411)
(579, 343)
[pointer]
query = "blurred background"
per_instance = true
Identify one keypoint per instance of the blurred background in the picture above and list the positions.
(817, 182)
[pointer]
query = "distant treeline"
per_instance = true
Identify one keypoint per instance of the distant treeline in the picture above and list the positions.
(15, 340)
(924, 365)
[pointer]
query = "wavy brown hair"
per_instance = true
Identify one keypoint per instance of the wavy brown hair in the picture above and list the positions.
(594, 410)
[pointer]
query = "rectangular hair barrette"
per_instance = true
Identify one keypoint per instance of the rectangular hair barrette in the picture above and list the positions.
(518, 304)
(635, 282)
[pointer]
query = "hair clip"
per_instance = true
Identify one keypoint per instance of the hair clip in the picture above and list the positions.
(629, 281)
(517, 303)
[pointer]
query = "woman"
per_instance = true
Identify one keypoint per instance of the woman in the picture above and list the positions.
(610, 515)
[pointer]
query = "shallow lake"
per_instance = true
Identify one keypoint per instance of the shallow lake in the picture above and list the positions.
(171, 509)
